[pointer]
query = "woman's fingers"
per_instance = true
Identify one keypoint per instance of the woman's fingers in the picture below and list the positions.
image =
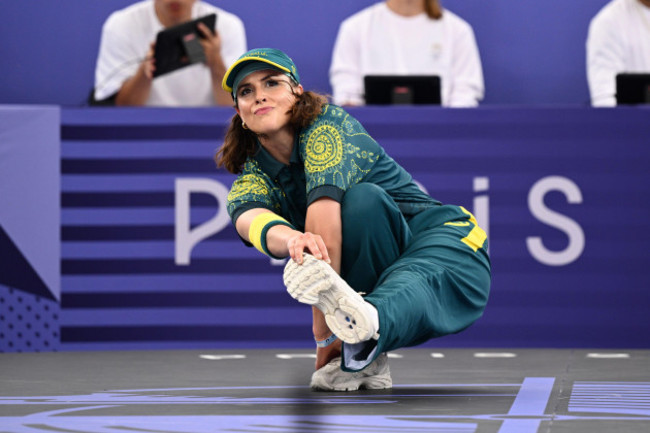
(323, 249)
(307, 242)
(312, 245)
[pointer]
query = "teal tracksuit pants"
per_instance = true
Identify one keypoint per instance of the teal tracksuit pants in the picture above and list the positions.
(427, 274)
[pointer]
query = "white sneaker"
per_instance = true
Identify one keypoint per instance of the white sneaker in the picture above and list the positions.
(347, 314)
(332, 378)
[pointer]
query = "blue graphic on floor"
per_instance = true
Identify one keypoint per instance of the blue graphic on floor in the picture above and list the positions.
(527, 412)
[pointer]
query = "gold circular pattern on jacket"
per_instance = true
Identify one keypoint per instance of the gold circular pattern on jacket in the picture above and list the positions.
(324, 149)
(249, 184)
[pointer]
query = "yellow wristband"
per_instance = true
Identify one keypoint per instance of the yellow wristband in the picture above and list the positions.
(260, 225)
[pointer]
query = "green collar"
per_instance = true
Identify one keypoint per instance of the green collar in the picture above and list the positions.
(272, 166)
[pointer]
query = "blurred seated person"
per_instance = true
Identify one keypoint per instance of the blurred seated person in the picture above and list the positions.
(125, 63)
(407, 37)
(618, 41)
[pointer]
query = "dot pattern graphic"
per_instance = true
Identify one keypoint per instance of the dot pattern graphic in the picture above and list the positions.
(28, 323)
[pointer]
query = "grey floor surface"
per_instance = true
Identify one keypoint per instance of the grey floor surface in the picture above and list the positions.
(435, 390)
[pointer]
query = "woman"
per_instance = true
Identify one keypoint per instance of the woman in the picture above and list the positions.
(407, 37)
(314, 186)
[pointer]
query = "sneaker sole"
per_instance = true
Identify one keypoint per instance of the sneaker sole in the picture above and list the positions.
(372, 384)
(332, 378)
(316, 283)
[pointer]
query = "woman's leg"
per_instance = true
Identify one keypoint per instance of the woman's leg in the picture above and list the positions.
(438, 286)
(426, 278)
(375, 234)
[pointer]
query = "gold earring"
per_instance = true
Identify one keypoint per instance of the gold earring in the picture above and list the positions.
(243, 125)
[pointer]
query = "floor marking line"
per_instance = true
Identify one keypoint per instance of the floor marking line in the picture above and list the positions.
(608, 355)
(221, 357)
(295, 355)
(531, 400)
(495, 355)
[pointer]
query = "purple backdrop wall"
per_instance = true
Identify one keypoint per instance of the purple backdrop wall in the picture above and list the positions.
(562, 193)
(532, 52)
(148, 258)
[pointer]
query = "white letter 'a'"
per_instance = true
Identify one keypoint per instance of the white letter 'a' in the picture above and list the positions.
(187, 238)
(557, 220)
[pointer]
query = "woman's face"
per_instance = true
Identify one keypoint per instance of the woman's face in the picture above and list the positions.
(265, 99)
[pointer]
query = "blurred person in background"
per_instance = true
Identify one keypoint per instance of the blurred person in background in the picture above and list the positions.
(125, 64)
(407, 37)
(618, 42)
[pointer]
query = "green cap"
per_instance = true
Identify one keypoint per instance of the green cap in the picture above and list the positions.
(255, 60)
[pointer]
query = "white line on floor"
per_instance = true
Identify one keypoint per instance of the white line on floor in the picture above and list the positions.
(295, 355)
(494, 355)
(608, 355)
(221, 357)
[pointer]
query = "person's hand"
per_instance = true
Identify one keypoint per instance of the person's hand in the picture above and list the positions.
(211, 43)
(307, 242)
(326, 354)
(149, 64)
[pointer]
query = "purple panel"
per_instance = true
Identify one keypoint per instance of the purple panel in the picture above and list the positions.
(582, 285)
(28, 323)
(30, 210)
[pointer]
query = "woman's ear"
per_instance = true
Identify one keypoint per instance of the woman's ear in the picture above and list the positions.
(299, 89)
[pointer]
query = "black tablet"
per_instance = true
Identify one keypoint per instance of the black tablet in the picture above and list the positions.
(178, 46)
(632, 89)
(402, 89)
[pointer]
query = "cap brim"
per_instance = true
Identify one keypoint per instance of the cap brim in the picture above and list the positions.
(229, 77)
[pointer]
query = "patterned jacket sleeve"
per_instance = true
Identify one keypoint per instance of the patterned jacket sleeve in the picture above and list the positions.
(337, 152)
(252, 189)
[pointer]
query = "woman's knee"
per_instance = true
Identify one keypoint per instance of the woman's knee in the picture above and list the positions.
(364, 200)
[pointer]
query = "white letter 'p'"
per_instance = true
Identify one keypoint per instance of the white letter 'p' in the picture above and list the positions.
(186, 237)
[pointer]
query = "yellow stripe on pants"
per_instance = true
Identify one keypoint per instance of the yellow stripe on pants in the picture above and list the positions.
(476, 237)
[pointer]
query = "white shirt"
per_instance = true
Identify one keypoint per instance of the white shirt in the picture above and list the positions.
(377, 41)
(126, 36)
(618, 41)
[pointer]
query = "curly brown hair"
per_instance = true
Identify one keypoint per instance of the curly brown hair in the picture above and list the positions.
(241, 143)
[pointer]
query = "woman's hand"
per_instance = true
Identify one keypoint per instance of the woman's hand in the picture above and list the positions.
(300, 243)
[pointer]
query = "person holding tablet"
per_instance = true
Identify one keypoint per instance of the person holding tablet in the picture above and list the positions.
(407, 37)
(618, 41)
(382, 264)
(125, 63)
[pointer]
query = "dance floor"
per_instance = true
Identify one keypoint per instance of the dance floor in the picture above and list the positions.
(435, 390)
